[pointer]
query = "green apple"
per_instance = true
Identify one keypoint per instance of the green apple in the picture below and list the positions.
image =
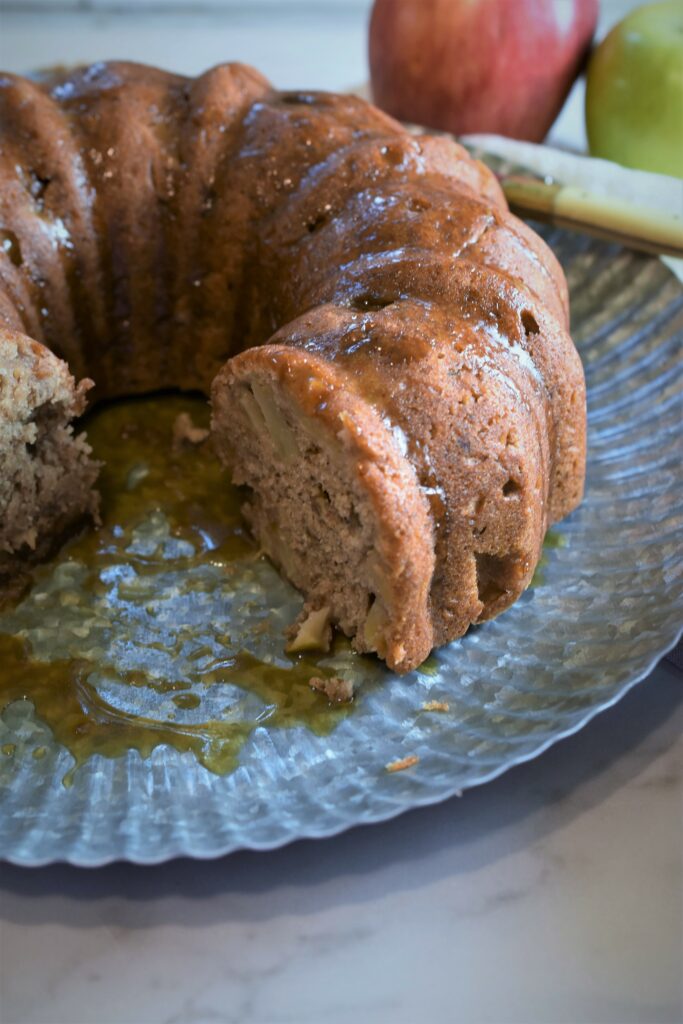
(634, 91)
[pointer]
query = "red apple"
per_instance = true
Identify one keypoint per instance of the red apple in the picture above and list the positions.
(502, 66)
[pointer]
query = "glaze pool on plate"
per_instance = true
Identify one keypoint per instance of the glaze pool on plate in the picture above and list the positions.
(608, 604)
(164, 626)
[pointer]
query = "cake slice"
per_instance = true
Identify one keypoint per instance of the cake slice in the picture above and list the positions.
(46, 473)
(331, 500)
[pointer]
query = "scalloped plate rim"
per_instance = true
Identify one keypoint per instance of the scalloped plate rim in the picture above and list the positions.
(303, 833)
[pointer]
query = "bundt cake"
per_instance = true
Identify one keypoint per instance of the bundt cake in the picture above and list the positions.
(386, 347)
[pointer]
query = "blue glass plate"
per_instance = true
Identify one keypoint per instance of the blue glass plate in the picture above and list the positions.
(606, 605)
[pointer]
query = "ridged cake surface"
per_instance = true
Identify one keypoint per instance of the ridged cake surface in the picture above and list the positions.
(385, 345)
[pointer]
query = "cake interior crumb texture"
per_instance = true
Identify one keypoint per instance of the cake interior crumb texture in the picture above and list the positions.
(47, 475)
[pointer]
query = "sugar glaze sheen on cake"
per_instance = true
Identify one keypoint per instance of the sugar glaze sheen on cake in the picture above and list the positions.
(385, 346)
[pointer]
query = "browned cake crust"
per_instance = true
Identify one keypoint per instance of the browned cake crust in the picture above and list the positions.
(408, 408)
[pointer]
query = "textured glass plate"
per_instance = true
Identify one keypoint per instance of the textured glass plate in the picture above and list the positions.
(607, 605)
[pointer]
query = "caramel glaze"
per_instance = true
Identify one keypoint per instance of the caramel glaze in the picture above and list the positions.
(189, 488)
(85, 724)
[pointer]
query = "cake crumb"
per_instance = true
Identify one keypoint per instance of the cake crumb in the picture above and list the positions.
(185, 432)
(311, 631)
(336, 689)
(435, 705)
(403, 763)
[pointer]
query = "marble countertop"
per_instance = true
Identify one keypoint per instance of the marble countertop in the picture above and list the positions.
(551, 895)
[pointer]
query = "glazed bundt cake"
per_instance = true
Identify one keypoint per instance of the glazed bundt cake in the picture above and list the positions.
(385, 345)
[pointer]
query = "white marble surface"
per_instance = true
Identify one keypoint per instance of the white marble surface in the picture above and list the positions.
(552, 895)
